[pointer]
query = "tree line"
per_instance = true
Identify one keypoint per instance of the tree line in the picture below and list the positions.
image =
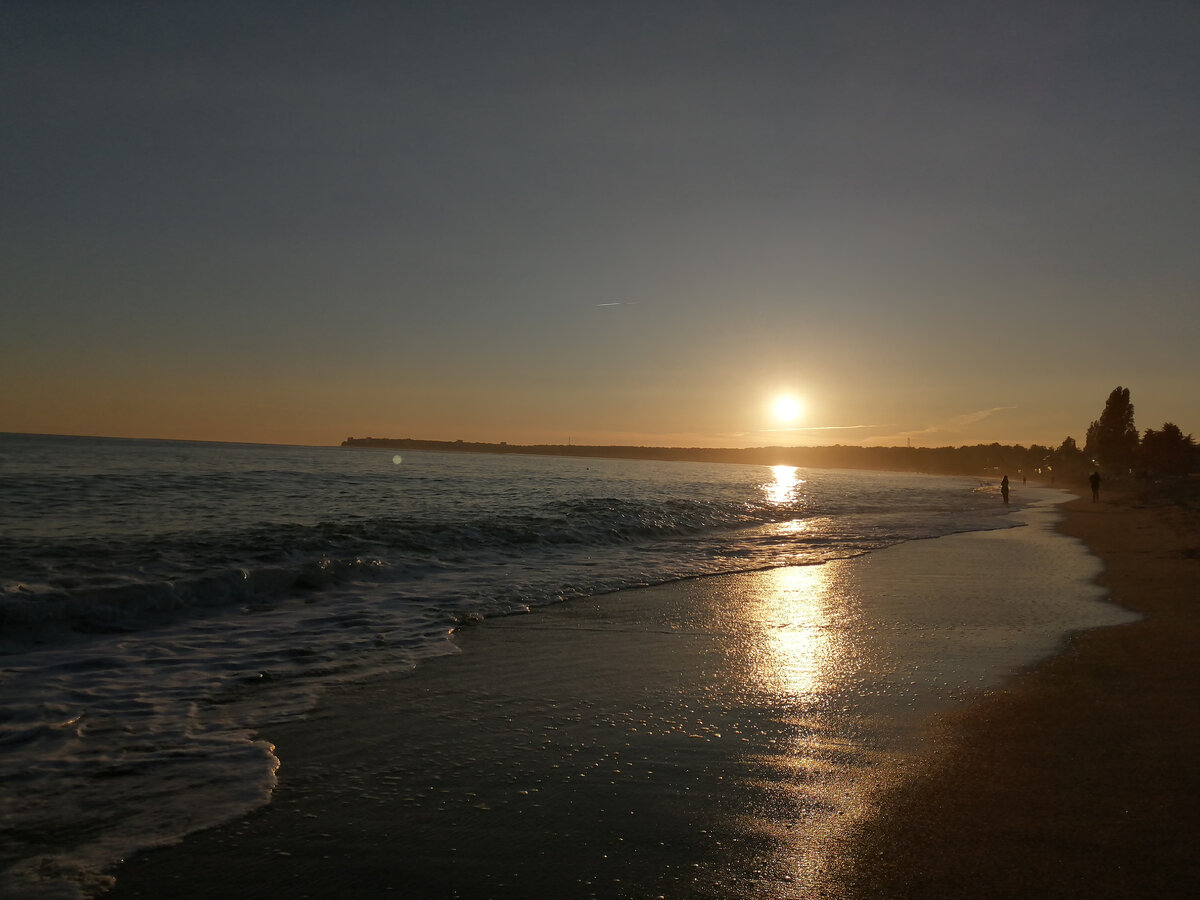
(1112, 444)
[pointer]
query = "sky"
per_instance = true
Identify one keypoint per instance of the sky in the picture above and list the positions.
(608, 223)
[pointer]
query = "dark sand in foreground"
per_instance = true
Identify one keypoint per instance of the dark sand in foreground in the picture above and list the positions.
(595, 761)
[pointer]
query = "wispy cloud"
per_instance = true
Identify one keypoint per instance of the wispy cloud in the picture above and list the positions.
(978, 416)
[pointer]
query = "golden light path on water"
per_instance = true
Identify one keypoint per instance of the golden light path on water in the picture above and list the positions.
(786, 486)
(848, 658)
(803, 658)
(801, 651)
(806, 651)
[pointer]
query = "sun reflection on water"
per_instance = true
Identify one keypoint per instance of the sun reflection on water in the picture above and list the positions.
(806, 659)
(786, 486)
(804, 651)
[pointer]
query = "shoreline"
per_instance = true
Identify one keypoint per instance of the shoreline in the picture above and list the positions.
(1079, 778)
(476, 751)
(1082, 762)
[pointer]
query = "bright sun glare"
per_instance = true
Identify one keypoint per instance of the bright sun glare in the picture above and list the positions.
(788, 408)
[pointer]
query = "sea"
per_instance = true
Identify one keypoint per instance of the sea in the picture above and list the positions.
(160, 601)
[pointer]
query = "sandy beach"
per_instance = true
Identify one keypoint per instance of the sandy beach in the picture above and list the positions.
(650, 743)
(1079, 779)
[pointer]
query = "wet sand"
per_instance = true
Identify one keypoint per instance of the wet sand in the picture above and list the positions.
(1080, 779)
(643, 745)
(636, 745)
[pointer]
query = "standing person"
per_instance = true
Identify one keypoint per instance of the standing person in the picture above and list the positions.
(1004, 489)
(1094, 479)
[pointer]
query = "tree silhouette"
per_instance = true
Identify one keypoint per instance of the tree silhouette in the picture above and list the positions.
(1169, 451)
(1068, 459)
(1112, 439)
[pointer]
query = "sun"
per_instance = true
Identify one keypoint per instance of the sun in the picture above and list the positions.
(787, 408)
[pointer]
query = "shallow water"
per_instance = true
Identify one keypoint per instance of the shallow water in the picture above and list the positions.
(705, 738)
(160, 600)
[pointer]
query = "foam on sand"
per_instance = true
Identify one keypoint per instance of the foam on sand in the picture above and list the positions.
(710, 737)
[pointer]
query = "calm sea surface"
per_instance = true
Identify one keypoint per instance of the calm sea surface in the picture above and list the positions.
(158, 600)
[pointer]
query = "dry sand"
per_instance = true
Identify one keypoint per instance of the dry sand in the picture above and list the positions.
(626, 753)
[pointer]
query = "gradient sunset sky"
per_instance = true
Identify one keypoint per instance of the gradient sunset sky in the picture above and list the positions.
(606, 222)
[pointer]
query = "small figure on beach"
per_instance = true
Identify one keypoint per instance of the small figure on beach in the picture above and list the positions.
(1094, 480)
(1004, 489)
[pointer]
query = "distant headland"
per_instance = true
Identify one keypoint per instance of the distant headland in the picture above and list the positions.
(1113, 444)
(981, 459)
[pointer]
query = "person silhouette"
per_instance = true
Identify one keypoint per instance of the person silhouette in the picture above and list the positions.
(1004, 489)
(1094, 479)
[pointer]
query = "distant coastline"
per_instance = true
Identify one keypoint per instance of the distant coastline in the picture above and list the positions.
(980, 459)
